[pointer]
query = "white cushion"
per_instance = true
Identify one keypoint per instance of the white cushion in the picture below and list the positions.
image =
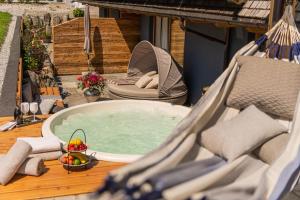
(154, 83)
(145, 79)
(242, 134)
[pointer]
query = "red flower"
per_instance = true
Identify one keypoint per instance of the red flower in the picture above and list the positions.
(79, 78)
(93, 78)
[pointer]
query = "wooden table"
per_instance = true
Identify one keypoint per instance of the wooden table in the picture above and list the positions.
(56, 181)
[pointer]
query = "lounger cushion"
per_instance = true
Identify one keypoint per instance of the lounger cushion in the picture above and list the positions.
(271, 85)
(145, 79)
(154, 83)
(272, 149)
(132, 91)
(241, 134)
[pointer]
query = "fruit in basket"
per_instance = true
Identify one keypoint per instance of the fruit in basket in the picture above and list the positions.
(82, 158)
(76, 161)
(82, 147)
(75, 147)
(76, 141)
(67, 159)
(70, 162)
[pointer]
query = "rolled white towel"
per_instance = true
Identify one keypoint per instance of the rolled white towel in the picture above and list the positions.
(14, 158)
(53, 155)
(42, 144)
(31, 166)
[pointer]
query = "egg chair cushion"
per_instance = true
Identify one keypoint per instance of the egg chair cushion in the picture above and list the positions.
(132, 91)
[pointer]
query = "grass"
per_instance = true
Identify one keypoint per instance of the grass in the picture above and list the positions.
(5, 19)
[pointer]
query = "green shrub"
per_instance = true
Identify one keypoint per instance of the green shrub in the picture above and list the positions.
(2, 1)
(77, 12)
(21, 1)
(30, 62)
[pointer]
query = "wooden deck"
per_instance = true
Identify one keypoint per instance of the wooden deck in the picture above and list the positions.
(56, 181)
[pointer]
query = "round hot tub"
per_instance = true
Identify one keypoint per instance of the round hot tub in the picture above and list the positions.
(118, 131)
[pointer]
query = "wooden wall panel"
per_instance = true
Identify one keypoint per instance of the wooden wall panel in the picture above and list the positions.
(112, 43)
(177, 41)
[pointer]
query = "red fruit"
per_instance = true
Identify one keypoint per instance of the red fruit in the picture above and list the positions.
(65, 160)
(71, 157)
(70, 162)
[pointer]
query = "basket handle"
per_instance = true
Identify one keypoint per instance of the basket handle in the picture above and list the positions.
(82, 131)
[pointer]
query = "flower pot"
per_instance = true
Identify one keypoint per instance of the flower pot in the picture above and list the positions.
(92, 95)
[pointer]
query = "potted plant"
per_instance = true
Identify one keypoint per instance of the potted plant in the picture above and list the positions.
(92, 84)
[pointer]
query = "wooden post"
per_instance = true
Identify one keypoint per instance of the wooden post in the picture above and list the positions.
(271, 15)
(294, 6)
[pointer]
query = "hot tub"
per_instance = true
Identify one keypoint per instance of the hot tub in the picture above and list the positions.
(120, 130)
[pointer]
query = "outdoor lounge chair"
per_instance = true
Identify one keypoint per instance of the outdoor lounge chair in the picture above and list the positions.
(246, 177)
(145, 58)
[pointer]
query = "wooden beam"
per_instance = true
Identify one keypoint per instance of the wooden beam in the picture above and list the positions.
(256, 30)
(271, 16)
(19, 83)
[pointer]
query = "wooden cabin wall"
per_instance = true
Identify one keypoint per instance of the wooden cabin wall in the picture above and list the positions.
(112, 43)
(177, 39)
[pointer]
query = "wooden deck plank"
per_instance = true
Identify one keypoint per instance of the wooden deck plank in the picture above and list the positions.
(56, 181)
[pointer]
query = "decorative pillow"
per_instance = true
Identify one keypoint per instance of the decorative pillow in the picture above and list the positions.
(242, 134)
(151, 73)
(145, 79)
(271, 85)
(271, 150)
(154, 83)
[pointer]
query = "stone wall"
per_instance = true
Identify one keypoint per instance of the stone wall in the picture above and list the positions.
(10, 54)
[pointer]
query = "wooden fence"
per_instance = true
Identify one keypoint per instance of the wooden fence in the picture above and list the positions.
(177, 41)
(112, 43)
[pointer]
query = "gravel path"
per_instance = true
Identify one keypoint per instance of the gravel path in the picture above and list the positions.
(35, 9)
(5, 50)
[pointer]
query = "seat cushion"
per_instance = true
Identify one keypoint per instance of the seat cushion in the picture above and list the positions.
(154, 83)
(132, 91)
(272, 149)
(271, 85)
(145, 79)
(241, 134)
